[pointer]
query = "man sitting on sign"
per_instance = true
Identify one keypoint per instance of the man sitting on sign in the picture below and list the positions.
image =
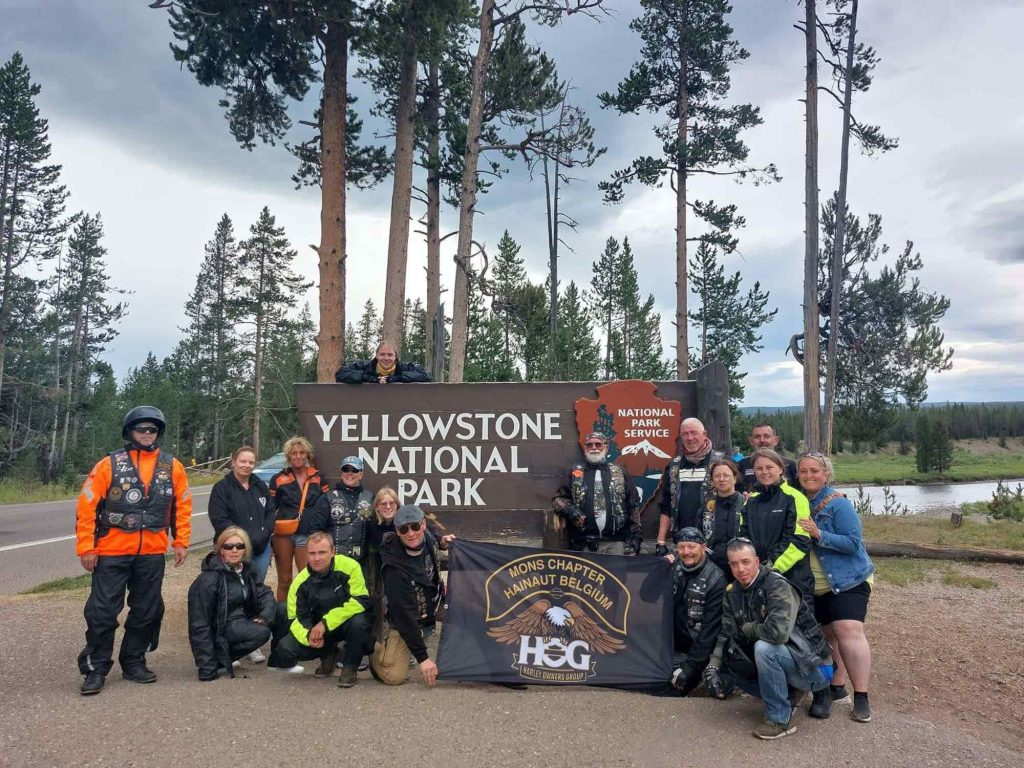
(600, 503)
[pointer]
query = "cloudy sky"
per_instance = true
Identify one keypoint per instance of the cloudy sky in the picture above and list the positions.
(142, 143)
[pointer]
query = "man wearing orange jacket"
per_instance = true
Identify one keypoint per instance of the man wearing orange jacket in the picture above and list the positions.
(129, 501)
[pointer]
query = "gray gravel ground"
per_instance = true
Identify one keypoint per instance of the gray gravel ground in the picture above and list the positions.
(270, 718)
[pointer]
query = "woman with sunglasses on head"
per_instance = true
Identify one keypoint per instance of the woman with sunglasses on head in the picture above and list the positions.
(770, 519)
(843, 574)
(295, 489)
(230, 611)
(720, 522)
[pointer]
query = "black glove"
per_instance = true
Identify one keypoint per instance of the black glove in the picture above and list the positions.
(680, 677)
(576, 517)
(661, 550)
(713, 683)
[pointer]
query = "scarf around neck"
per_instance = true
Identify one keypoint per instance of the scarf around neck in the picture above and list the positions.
(700, 454)
(382, 371)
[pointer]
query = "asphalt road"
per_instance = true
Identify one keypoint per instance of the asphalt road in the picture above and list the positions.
(37, 541)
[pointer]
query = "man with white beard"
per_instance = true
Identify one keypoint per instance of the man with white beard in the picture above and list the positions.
(600, 503)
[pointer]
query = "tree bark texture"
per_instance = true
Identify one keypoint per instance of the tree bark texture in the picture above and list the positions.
(839, 245)
(467, 197)
(401, 196)
(331, 341)
(812, 383)
(432, 114)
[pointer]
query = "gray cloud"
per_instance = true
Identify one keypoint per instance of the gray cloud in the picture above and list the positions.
(1000, 231)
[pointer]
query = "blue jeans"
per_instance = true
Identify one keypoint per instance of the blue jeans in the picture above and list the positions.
(261, 564)
(776, 672)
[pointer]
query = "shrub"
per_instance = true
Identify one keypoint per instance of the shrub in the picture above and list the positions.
(1007, 504)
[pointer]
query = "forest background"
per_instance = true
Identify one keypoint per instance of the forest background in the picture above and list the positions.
(249, 327)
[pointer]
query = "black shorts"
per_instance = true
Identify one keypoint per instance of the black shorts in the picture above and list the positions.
(851, 605)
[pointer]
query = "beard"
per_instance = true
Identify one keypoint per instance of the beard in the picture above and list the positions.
(597, 457)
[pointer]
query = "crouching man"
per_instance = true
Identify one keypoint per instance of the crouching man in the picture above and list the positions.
(327, 605)
(770, 644)
(698, 590)
(413, 598)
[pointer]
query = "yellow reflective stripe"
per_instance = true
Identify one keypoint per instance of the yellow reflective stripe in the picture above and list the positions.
(792, 554)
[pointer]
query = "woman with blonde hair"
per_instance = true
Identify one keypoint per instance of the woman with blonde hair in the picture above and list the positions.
(230, 612)
(295, 489)
(383, 368)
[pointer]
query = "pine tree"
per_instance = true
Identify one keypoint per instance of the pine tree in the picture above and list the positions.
(484, 345)
(604, 297)
(508, 277)
(267, 290)
(413, 332)
(727, 321)
(367, 333)
(688, 49)
(577, 352)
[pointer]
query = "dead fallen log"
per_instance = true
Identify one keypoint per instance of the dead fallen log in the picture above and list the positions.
(942, 552)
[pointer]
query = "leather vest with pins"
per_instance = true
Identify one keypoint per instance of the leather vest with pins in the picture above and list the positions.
(127, 506)
(350, 523)
(673, 482)
(695, 591)
(617, 495)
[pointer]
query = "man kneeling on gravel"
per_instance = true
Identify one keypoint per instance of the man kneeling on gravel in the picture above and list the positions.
(327, 604)
(770, 645)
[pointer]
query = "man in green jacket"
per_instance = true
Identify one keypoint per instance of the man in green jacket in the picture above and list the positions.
(327, 605)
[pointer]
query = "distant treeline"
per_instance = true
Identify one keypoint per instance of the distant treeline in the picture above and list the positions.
(964, 421)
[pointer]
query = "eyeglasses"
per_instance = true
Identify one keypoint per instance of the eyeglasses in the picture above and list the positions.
(593, 445)
(405, 528)
(233, 545)
(350, 471)
(387, 503)
(146, 430)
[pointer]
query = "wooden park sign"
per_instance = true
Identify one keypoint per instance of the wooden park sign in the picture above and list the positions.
(487, 458)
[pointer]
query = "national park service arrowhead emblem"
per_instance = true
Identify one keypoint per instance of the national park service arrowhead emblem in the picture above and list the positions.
(642, 429)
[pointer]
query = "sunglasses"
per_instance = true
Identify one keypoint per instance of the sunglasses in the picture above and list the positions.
(405, 528)
(741, 540)
(146, 430)
(593, 445)
(350, 471)
(238, 545)
(813, 454)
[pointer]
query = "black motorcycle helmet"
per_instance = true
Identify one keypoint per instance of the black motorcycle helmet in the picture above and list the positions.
(143, 413)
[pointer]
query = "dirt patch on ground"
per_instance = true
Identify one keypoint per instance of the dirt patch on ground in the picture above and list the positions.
(953, 655)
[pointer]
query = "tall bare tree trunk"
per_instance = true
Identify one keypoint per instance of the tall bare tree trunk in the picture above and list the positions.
(432, 113)
(8, 256)
(551, 206)
(682, 102)
(73, 363)
(331, 341)
(839, 245)
(401, 195)
(812, 396)
(467, 197)
(261, 320)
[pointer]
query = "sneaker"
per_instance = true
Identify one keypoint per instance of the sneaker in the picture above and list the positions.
(326, 668)
(257, 657)
(348, 677)
(797, 696)
(236, 663)
(821, 705)
(138, 673)
(364, 664)
(93, 683)
(839, 693)
(768, 730)
(298, 669)
(861, 708)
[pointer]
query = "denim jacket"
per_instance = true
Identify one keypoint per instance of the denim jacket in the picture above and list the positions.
(841, 546)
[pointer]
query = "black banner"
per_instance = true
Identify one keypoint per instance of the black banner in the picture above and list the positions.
(521, 615)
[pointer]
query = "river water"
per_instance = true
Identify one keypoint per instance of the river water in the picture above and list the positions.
(933, 499)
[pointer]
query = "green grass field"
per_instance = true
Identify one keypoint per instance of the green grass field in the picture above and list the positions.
(29, 492)
(893, 469)
(997, 534)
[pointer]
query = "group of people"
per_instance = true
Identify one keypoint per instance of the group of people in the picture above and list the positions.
(770, 577)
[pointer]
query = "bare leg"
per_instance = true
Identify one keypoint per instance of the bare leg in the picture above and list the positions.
(853, 645)
(839, 675)
(283, 549)
(300, 558)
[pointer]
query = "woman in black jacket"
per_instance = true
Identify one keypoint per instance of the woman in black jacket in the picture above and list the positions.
(244, 500)
(230, 612)
(384, 368)
(721, 521)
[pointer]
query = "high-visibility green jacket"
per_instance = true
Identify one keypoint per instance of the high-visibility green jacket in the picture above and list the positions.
(333, 597)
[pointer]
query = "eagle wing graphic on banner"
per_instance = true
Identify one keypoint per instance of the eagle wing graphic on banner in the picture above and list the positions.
(532, 622)
(585, 628)
(542, 619)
